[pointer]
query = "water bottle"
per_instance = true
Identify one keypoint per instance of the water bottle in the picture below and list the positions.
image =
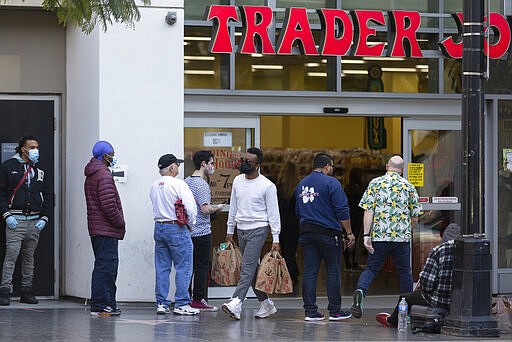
(402, 315)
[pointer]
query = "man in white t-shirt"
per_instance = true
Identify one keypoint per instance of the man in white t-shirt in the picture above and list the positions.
(254, 211)
(173, 244)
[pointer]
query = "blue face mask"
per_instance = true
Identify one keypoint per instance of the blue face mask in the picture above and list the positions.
(113, 160)
(33, 155)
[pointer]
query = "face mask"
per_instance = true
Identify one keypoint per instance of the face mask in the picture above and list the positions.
(33, 155)
(210, 169)
(113, 160)
(246, 167)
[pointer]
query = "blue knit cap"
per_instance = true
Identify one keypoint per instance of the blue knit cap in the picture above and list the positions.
(101, 148)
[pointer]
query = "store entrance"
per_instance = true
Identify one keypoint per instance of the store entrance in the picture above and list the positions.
(360, 147)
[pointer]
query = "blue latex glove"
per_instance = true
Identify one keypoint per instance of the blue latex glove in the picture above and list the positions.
(40, 224)
(11, 222)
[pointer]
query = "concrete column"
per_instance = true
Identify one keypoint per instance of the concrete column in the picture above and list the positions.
(125, 86)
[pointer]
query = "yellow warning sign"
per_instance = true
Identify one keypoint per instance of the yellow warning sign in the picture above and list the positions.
(416, 174)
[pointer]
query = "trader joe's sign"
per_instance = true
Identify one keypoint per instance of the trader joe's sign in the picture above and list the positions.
(343, 33)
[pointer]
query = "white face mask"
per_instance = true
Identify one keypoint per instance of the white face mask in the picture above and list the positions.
(210, 169)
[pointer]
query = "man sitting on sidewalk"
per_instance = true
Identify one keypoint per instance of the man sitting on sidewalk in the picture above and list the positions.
(435, 284)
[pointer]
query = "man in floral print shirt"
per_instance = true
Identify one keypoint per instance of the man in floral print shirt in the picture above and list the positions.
(392, 208)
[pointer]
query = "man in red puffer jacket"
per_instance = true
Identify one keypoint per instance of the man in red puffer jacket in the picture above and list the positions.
(106, 226)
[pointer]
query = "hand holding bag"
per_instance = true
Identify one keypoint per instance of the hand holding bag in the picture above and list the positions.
(226, 265)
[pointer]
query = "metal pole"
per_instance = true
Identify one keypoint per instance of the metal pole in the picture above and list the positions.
(471, 292)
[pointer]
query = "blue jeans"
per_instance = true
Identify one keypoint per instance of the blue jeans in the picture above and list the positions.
(173, 245)
(104, 275)
(401, 253)
(316, 247)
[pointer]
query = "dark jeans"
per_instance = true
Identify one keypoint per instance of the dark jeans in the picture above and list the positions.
(401, 253)
(412, 298)
(316, 247)
(199, 286)
(104, 275)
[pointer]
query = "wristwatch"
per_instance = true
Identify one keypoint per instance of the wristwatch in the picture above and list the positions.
(366, 235)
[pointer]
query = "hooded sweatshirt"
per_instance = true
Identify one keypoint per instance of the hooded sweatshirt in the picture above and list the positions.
(104, 210)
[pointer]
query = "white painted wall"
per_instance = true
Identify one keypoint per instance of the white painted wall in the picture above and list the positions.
(124, 86)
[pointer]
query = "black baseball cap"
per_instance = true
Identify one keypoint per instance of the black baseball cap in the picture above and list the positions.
(168, 159)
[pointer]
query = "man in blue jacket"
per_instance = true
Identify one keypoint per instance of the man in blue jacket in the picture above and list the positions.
(322, 207)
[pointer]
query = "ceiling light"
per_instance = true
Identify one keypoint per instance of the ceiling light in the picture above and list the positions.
(199, 72)
(199, 58)
(203, 39)
(355, 72)
(316, 74)
(400, 69)
(352, 61)
(256, 55)
(324, 61)
(266, 67)
(384, 58)
(312, 65)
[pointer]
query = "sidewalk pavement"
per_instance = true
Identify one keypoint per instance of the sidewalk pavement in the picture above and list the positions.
(65, 320)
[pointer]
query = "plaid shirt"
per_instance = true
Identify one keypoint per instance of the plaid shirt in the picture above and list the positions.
(436, 277)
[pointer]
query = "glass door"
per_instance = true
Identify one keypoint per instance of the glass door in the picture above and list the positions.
(432, 153)
(227, 138)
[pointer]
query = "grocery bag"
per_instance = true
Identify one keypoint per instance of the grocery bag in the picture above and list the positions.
(226, 264)
(284, 282)
(267, 272)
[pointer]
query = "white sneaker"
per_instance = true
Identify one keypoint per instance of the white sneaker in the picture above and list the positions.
(267, 308)
(162, 309)
(233, 308)
(185, 310)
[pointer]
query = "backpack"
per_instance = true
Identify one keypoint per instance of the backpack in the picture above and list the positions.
(427, 319)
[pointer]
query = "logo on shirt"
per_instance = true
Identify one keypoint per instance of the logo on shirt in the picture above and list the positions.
(308, 194)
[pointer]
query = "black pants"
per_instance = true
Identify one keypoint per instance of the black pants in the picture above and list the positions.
(412, 298)
(199, 284)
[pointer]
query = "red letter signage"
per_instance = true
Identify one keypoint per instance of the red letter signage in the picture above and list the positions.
(362, 32)
(448, 46)
(221, 43)
(498, 23)
(332, 44)
(256, 21)
(403, 26)
(296, 27)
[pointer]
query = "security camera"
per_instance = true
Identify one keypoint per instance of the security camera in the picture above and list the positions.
(171, 18)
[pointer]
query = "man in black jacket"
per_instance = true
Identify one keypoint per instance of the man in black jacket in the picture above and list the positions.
(24, 205)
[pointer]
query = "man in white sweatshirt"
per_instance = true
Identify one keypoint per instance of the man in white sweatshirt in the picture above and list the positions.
(254, 210)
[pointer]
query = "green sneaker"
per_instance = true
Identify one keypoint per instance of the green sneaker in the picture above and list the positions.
(357, 303)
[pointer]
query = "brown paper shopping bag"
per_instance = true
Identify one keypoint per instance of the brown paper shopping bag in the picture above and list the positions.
(267, 272)
(284, 282)
(226, 265)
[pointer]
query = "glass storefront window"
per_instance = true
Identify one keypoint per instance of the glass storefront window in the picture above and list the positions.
(421, 6)
(389, 74)
(202, 69)
(427, 235)
(194, 10)
(504, 184)
(499, 78)
(311, 4)
(452, 78)
(439, 152)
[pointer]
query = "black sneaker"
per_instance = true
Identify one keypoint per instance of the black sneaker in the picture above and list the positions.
(357, 303)
(317, 316)
(340, 316)
(106, 311)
